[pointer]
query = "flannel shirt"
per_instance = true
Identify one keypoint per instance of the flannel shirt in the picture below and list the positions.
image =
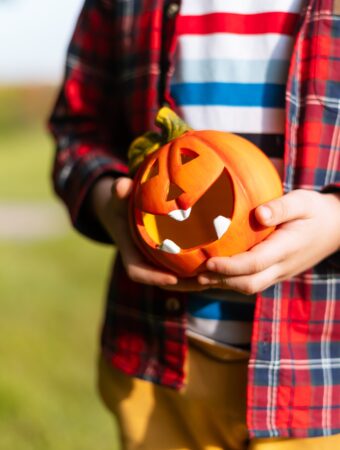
(118, 68)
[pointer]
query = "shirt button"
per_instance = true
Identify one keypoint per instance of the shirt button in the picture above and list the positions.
(172, 304)
(172, 10)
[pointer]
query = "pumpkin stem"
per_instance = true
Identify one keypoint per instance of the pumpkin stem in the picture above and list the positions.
(171, 124)
(172, 127)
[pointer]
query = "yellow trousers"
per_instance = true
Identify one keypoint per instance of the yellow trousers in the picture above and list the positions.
(209, 414)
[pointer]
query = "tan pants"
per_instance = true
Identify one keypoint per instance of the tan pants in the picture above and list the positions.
(209, 414)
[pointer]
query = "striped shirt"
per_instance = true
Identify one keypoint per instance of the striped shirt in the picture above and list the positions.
(232, 61)
(223, 316)
(230, 73)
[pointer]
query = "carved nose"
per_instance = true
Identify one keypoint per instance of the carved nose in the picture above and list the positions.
(174, 192)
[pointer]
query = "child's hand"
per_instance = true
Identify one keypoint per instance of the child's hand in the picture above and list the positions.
(110, 203)
(308, 230)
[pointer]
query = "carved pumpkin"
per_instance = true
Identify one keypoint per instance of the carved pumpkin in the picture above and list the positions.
(194, 198)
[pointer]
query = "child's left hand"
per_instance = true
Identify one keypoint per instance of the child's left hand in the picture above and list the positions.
(308, 230)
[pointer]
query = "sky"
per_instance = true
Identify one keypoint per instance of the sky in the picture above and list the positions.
(34, 35)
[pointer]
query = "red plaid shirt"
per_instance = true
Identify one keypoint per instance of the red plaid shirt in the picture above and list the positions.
(117, 75)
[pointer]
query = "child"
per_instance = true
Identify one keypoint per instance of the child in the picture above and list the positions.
(125, 60)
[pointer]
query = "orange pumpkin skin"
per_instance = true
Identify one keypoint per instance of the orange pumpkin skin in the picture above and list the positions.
(216, 174)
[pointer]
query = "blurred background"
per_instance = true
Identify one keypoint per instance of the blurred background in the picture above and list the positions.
(52, 281)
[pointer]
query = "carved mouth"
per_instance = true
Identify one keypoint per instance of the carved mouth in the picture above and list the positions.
(204, 222)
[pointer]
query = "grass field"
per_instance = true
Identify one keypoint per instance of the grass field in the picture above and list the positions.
(26, 148)
(51, 296)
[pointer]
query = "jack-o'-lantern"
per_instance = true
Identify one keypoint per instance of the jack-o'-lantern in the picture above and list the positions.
(194, 196)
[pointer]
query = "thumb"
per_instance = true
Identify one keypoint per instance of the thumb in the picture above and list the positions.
(122, 187)
(291, 206)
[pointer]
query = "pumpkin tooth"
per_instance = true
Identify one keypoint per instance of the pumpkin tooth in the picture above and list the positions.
(180, 214)
(169, 246)
(221, 225)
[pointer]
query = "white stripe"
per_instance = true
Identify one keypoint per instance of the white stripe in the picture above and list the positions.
(330, 102)
(293, 129)
(325, 354)
(302, 364)
(333, 160)
(325, 14)
(234, 119)
(199, 7)
(235, 46)
(230, 71)
(228, 331)
(274, 368)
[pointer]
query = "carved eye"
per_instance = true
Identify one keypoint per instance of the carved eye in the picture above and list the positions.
(153, 171)
(188, 155)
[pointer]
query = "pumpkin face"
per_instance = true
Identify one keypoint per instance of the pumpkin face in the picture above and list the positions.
(194, 197)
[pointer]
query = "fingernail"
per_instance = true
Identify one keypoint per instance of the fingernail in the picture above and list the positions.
(211, 265)
(266, 213)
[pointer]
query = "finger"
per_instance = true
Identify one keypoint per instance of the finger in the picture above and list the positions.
(122, 187)
(272, 250)
(246, 284)
(141, 272)
(137, 269)
(294, 205)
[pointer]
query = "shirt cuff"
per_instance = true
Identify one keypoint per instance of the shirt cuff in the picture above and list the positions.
(74, 176)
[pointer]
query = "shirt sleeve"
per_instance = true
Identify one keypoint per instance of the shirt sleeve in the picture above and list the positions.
(85, 121)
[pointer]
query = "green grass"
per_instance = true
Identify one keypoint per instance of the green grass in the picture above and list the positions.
(26, 155)
(51, 301)
(52, 297)
(26, 148)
